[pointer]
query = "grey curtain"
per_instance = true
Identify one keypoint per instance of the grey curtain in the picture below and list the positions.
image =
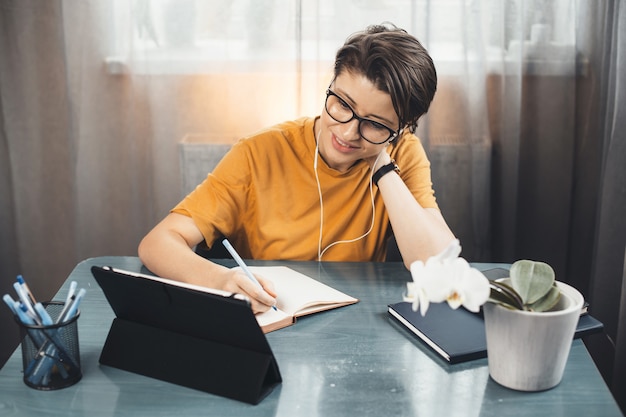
(37, 209)
(608, 285)
(73, 179)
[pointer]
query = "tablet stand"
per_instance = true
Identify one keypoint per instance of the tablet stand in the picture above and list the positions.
(193, 362)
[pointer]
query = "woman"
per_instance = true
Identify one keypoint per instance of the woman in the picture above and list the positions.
(328, 188)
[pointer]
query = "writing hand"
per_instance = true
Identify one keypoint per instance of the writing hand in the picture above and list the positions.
(261, 298)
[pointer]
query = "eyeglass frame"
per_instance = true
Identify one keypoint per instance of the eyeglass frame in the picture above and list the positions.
(393, 133)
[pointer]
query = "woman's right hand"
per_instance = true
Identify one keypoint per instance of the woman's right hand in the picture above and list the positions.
(261, 298)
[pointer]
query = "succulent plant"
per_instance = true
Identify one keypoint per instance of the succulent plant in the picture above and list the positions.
(531, 287)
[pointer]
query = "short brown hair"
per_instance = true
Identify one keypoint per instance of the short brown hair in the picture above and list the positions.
(396, 63)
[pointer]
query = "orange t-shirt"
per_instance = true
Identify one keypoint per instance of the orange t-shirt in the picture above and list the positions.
(263, 196)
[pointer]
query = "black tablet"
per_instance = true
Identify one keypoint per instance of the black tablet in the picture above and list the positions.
(189, 335)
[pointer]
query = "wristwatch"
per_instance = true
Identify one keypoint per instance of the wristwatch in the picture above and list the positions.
(385, 169)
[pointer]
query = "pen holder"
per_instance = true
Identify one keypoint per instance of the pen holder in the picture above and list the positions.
(50, 354)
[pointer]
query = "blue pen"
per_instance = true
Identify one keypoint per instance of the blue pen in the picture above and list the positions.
(21, 315)
(46, 320)
(35, 317)
(40, 360)
(71, 290)
(20, 280)
(39, 366)
(21, 293)
(71, 311)
(10, 302)
(71, 295)
(50, 348)
(241, 263)
(20, 310)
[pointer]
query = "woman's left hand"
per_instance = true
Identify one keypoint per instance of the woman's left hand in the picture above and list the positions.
(377, 161)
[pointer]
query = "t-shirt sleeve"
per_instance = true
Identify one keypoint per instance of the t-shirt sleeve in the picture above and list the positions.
(216, 205)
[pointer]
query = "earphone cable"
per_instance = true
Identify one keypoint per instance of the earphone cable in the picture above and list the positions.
(321, 252)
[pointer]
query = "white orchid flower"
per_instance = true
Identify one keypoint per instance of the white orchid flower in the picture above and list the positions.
(446, 277)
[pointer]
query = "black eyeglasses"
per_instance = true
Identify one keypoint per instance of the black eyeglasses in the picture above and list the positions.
(373, 132)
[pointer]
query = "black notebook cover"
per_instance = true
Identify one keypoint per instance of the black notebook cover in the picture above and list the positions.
(456, 335)
(459, 335)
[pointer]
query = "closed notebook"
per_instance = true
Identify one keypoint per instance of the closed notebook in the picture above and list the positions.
(456, 335)
(459, 335)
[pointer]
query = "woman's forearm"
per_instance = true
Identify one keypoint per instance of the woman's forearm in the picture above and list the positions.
(420, 232)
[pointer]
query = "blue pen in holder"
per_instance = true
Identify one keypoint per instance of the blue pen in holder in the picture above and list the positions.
(50, 353)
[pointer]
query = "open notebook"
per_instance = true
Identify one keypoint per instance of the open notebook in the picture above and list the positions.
(297, 296)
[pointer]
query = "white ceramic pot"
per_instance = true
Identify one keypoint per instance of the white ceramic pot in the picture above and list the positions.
(527, 351)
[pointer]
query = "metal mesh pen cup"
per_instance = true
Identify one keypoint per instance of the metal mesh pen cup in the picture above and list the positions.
(50, 354)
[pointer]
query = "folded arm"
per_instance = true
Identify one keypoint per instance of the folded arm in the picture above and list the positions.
(420, 232)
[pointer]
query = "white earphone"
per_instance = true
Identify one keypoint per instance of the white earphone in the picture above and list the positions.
(321, 252)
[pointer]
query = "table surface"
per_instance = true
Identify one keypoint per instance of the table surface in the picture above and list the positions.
(353, 360)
